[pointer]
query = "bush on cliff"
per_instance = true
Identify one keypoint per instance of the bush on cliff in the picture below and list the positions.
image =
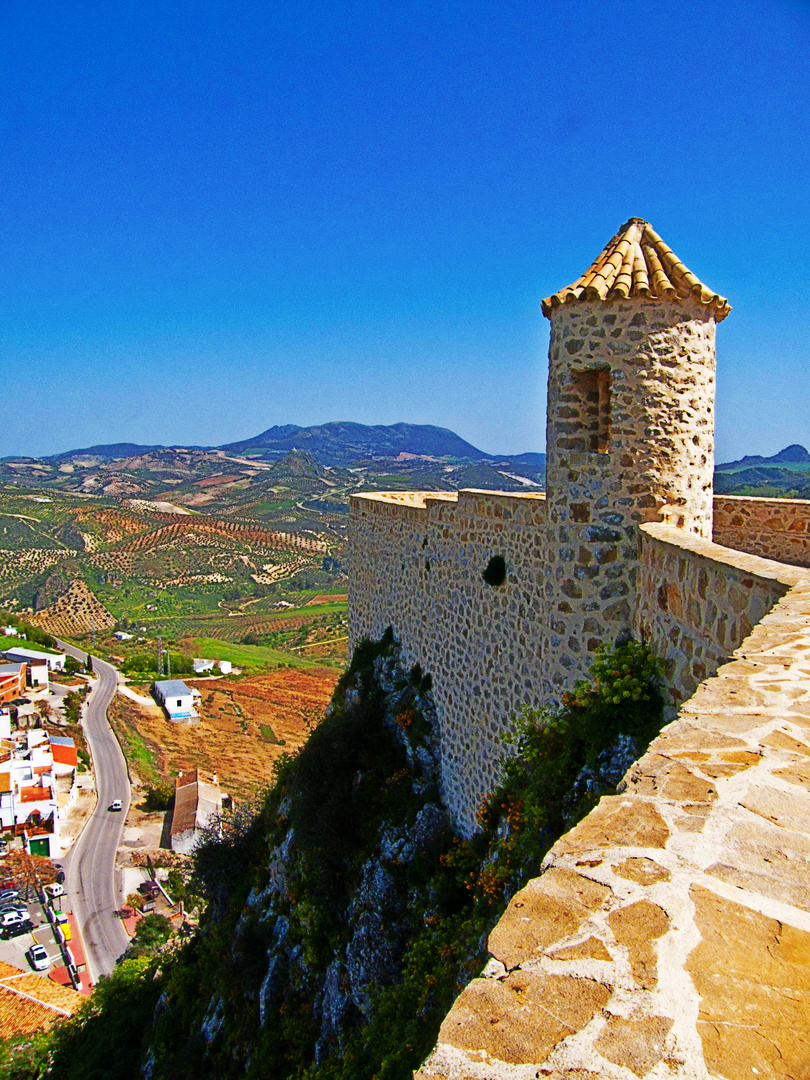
(343, 913)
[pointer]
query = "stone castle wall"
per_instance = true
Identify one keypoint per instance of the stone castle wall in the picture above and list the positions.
(697, 601)
(773, 528)
(417, 565)
(630, 436)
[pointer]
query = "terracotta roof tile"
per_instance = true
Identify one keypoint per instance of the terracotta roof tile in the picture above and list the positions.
(31, 1003)
(637, 263)
(46, 991)
(21, 1015)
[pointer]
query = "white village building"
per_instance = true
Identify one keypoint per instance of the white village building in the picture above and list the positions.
(176, 698)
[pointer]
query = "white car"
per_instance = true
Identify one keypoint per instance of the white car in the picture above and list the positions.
(116, 804)
(38, 958)
(55, 889)
(11, 918)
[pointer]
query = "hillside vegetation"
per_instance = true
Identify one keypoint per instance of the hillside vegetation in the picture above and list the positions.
(342, 913)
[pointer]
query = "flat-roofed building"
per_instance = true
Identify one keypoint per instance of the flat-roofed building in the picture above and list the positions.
(176, 698)
(37, 672)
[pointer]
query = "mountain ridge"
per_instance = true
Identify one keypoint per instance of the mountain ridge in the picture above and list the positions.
(793, 454)
(337, 443)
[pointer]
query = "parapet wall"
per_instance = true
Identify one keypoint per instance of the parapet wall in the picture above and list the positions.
(417, 565)
(773, 528)
(697, 601)
(669, 935)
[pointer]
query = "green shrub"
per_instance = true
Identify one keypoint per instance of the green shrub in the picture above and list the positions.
(158, 797)
(151, 932)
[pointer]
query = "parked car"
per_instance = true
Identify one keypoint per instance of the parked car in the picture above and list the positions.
(8, 894)
(12, 918)
(17, 930)
(16, 909)
(116, 804)
(13, 905)
(38, 958)
(55, 889)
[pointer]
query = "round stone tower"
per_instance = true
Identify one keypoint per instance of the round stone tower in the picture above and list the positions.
(629, 436)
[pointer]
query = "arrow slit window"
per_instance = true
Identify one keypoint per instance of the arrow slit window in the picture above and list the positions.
(593, 388)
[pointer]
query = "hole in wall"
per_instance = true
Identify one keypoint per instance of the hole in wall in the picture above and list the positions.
(495, 573)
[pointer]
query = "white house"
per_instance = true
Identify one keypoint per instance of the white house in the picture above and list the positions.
(38, 672)
(6, 801)
(20, 655)
(202, 666)
(176, 698)
(226, 667)
(122, 635)
(9, 631)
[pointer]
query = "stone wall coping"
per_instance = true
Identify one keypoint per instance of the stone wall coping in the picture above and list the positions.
(423, 500)
(742, 499)
(403, 498)
(766, 569)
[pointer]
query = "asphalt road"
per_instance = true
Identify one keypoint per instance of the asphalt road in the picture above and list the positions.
(90, 863)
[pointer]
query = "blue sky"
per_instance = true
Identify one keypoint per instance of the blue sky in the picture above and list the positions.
(223, 216)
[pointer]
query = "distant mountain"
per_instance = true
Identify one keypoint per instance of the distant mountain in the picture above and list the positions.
(791, 455)
(104, 452)
(132, 468)
(341, 443)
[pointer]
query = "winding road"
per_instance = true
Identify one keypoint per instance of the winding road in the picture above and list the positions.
(90, 863)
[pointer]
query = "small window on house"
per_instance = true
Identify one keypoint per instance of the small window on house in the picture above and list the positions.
(179, 702)
(593, 390)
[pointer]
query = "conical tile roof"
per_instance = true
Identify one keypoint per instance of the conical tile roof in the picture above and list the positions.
(637, 263)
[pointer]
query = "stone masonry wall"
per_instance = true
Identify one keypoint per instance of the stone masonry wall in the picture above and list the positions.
(773, 528)
(630, 437)
(697, 601)
(417, 564)
(669, 935)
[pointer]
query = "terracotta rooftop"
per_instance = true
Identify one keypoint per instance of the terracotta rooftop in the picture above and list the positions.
(31, 1003)
(196, 799)
(637, 263)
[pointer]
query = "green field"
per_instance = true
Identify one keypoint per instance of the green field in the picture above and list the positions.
(251, 656)
(22, 643)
